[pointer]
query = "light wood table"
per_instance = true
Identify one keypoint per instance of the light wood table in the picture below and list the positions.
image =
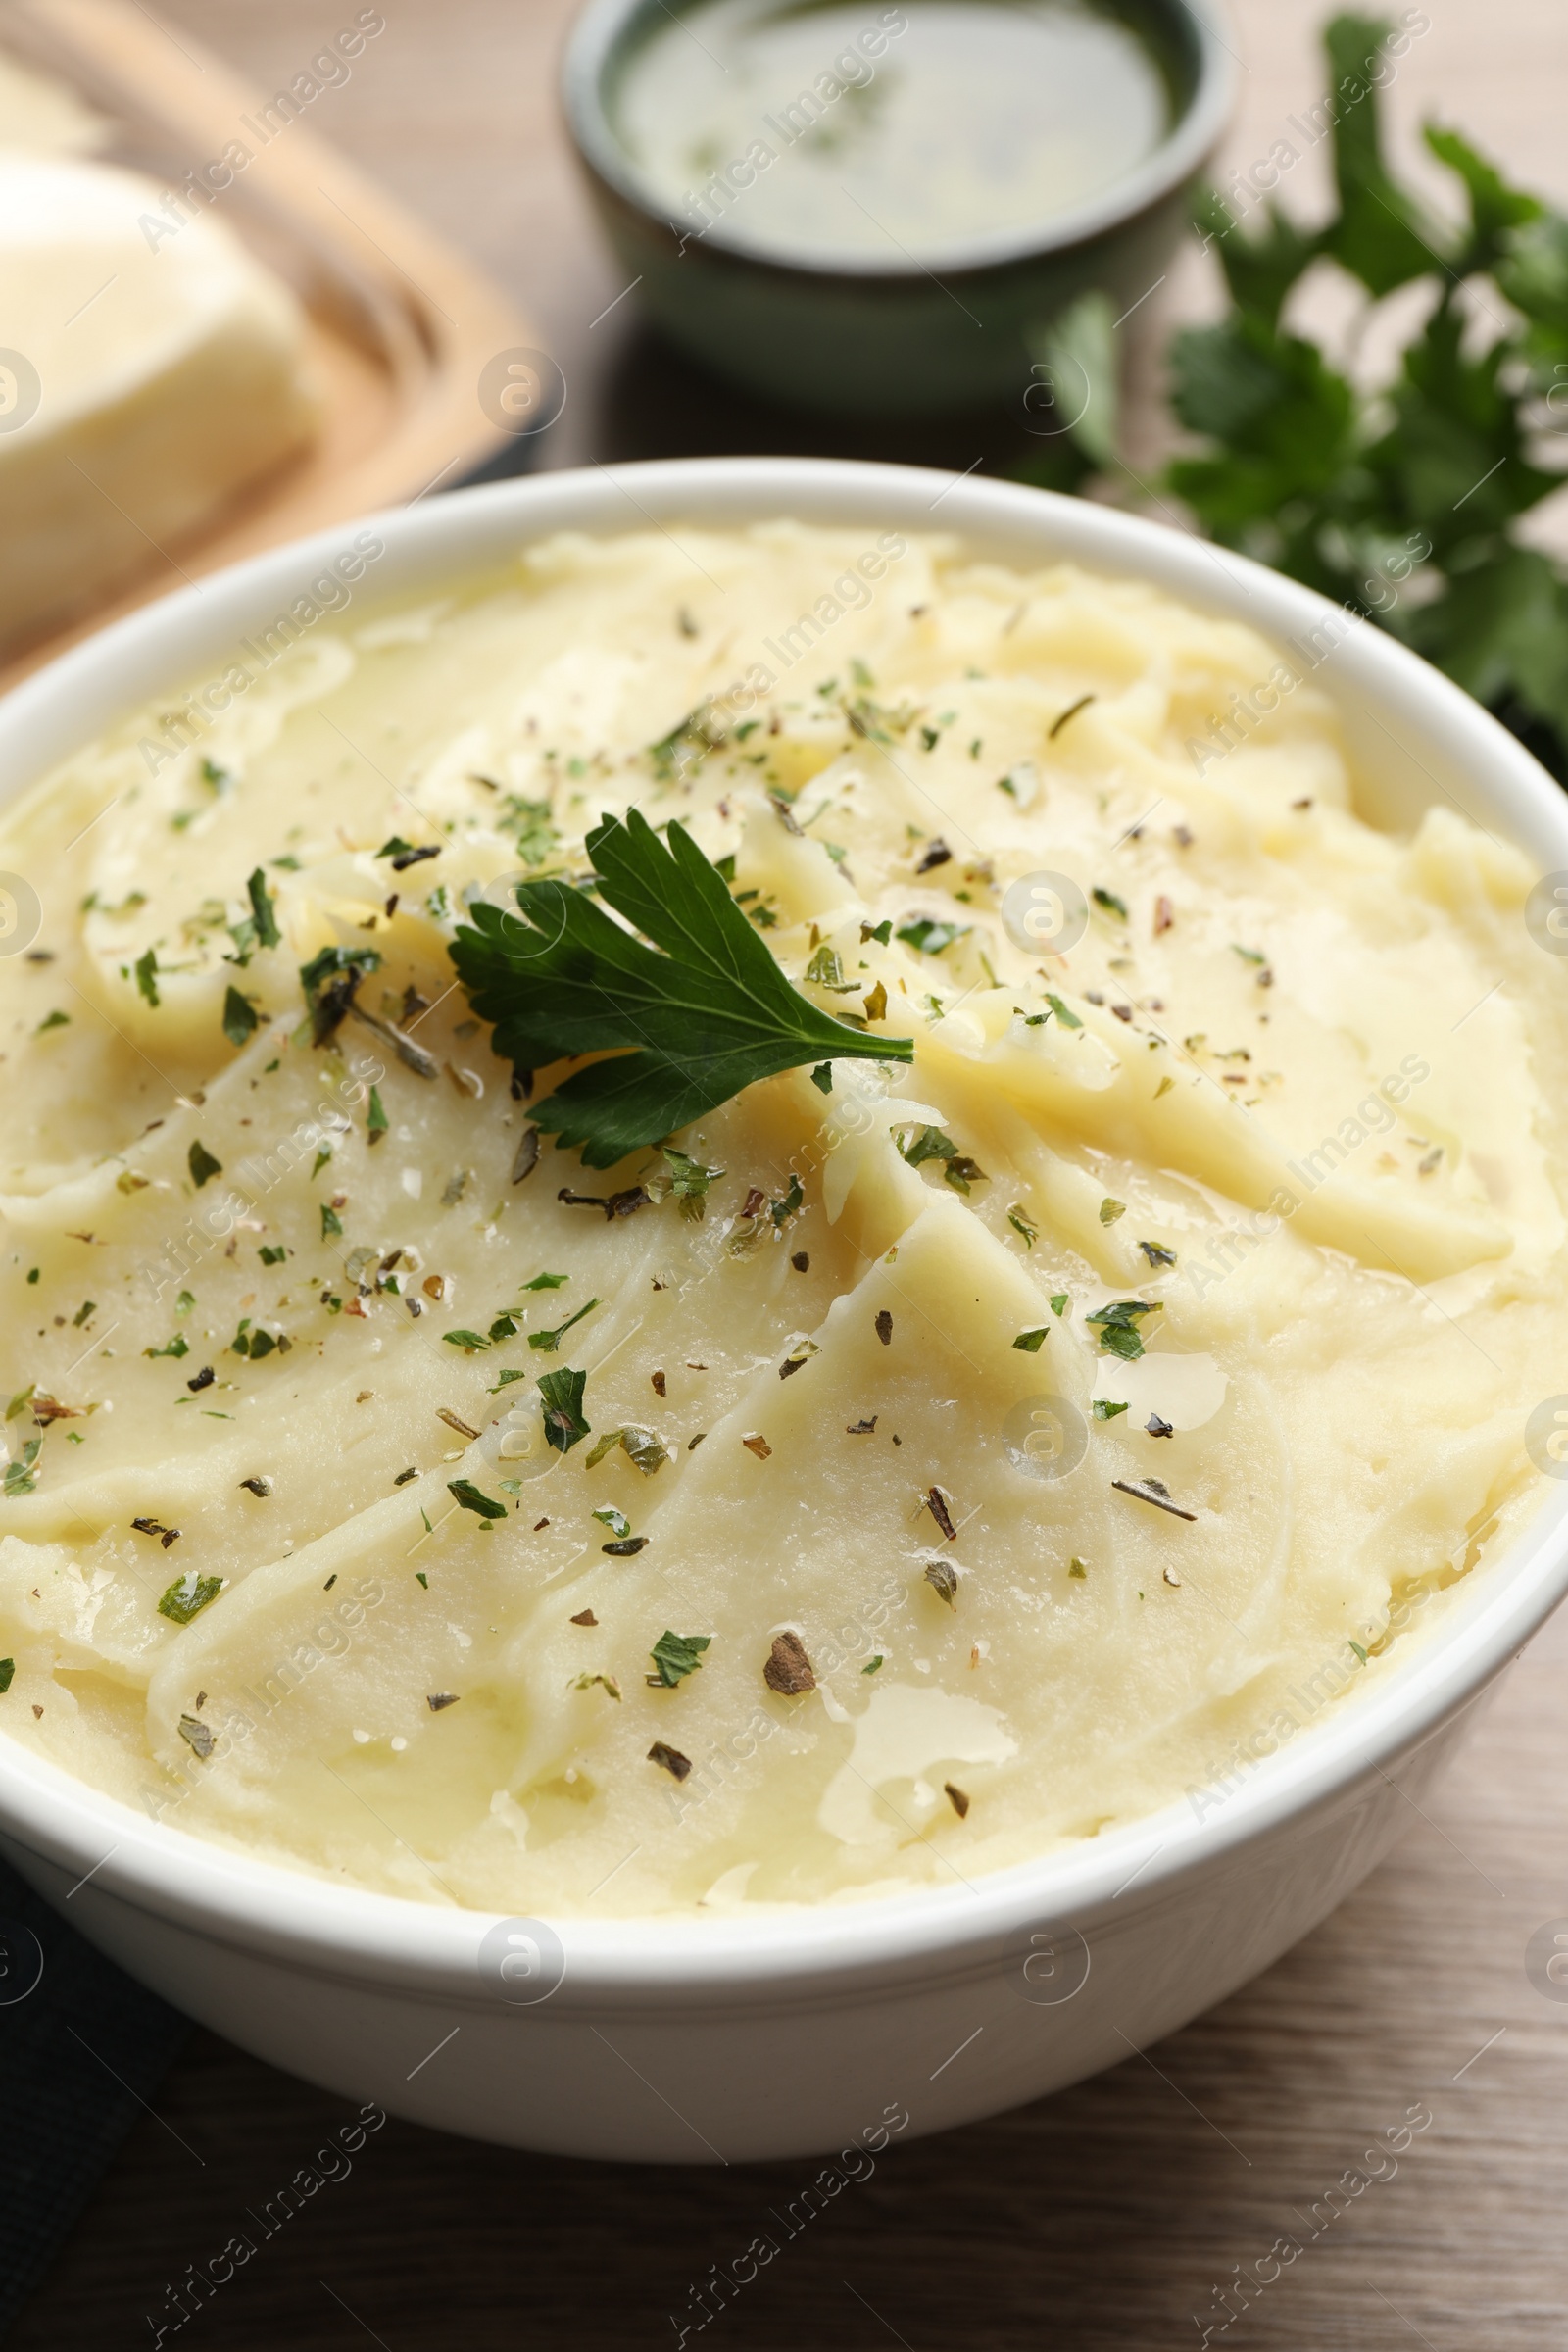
(1105, 2217)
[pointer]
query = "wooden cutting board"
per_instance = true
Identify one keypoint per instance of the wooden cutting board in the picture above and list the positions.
(401, 326)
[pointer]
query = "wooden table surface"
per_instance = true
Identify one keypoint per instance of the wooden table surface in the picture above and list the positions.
(1104, 2218)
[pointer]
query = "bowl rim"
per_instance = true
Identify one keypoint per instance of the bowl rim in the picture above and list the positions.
(644, 1963)
(600, 27)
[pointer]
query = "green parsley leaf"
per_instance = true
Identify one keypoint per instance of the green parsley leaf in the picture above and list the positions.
(916, 1145)
(178, 1345)
(1031, 1342)
(147, 975)
(689, 1027)
(240, 1018)
(468, 1340)
(546, 1281)
(689, 742)
(53, 1020)
(376, 1121)
(1420, 476)
(8, 1668)
(467, 1495)
(330, 981)
(1381, 235)
(529, 824)
(561, 1396)
(676, 1655)
(203, 1166)
(21, 1477)
(188, 1595)
(1108, 899)
(689, 1181)
(919, 1144)
(873, 1667)
(263, 911)
(1119, 1326)
(332, 1222)
(547, 1342)
(930, 937)
(1110, 1210)
(271, 1253)
(1104, 1411)
(793, 1200)
(616, 1520)
(1021, 1225)
(644, 1449)
(1064, 1012)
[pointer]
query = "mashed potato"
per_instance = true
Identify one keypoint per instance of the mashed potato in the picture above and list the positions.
(968, 1455)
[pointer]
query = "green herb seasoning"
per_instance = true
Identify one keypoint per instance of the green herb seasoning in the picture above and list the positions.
(1119, 1326)
(468, 1496)
(676, 1655)
(188, 1595)
(560, 1394)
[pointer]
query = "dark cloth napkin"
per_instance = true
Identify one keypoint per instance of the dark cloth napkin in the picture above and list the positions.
(82, 2051)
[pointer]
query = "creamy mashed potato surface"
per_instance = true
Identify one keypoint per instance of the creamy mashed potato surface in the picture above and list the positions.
(987, 1451)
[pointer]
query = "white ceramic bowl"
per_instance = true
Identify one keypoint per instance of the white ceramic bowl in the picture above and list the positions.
(694, 2039)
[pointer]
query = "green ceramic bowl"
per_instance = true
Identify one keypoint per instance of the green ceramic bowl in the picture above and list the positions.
(851, 336)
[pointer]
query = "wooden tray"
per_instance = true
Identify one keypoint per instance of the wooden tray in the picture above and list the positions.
(400, 327)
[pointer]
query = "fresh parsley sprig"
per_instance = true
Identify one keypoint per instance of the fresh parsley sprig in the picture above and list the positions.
(1402, 503)
(690, 1020)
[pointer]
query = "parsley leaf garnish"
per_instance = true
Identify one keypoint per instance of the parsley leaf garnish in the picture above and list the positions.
(263, 911)
(929, 937)
(689, 1027)
(240, 1017)
(471, 1497)
(21, 1477)
(676, 1655)
(188, 1595)
(547, 1342)
(1401, 499)
(1119, 1325)
(689, 1181)
(916, 1145)
(561, 1396)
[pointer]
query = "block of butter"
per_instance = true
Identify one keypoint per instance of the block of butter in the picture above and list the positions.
(149, 373)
